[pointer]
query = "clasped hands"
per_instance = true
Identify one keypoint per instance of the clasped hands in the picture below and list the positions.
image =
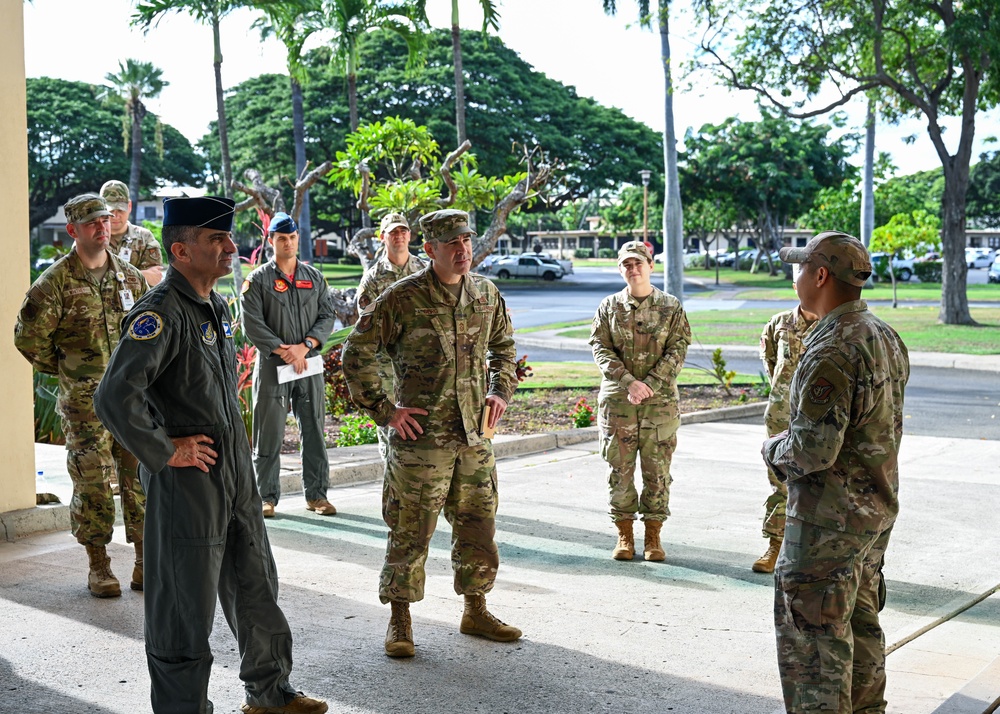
(294, 355)
(404, 422)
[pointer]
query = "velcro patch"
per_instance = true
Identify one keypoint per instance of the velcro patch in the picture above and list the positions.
(280, 285)
(146, 326)
(246, 286)
(305, 284)
(208, 334)
(820, 391)
(364, 324)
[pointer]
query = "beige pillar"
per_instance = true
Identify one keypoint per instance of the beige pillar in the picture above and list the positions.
(17, 475)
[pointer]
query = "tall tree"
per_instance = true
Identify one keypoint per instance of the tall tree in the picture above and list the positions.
(933, 60)
(134, 82)
(673, 217)
(293, 23)
(209, 12)
(73, 146)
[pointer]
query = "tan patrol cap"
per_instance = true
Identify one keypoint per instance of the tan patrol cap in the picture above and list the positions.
(116, 194)
(844, 255)
(85, 208)
(392, 220)
(445, 225)
(634, 249)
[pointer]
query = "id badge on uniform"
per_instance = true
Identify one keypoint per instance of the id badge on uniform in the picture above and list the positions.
(125, 253)
(127, 300)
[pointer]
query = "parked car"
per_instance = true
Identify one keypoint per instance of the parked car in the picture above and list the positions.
(902, 267)
(979, 257)
(566, 265)
(993, 276)
(526, 266)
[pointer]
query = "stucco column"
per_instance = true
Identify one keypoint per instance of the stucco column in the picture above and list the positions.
(17, 472)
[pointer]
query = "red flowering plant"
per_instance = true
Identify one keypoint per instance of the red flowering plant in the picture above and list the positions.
(523, 369)
(582, 414)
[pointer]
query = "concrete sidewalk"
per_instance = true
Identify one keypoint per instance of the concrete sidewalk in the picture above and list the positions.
(691, 635)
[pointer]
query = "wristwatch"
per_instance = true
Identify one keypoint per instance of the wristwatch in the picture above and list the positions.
(309, 343)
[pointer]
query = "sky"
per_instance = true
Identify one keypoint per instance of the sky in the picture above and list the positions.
(608, 58)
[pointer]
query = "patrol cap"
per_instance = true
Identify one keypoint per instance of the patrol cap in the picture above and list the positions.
(392, 220)
(634, 249)
(281, 222)
(215, 212)
(85, 208)
(116, 194)
(445, 225)
(845, 256)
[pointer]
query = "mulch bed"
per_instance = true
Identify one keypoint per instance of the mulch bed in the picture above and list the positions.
(539, 411)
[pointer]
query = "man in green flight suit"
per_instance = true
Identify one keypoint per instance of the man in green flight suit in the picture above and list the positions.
(170, 395)
(288, 316)
(451, 345)
(640, 337)
(68, 326)
(839, 459)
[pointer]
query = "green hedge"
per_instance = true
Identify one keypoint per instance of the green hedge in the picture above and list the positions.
(607, 253)
(928, 272)
(583, 253)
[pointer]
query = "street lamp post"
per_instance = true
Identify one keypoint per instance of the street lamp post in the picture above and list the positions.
(645, 174)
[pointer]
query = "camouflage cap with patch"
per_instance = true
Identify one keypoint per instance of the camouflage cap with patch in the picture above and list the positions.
(392, 220)
(843, 255)
(445, 225)
(116, 194)
(85, 208)
(634, 249)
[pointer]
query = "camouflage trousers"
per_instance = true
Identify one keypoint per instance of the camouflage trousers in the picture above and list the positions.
(828, 593)
(421, 479)
(774, 506)
(92, 457)
(648, 431)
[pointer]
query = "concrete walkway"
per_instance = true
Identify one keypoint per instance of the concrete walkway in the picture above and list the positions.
(692, 635)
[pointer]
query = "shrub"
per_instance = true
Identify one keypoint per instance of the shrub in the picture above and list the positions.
(607, 253)
(583, 253)
(338, 397)
(928, 272)
(349, 260)
(582, 414)
(357, 429)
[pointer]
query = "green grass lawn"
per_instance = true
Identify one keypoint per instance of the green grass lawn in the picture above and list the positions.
(916, 325)
(579, 375)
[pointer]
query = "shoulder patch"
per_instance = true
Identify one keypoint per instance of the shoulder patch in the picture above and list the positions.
(246, 286)
(146, 326)
(365, 323)
(820, 391)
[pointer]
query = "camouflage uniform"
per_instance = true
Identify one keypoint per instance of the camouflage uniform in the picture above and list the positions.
(644, 340)
(68, 326)
(839, 462)
(780, 350)
(376, 279)
(137, 245)
(447, 356)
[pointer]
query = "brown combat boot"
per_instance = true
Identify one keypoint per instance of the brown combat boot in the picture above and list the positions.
(626, 541)
(652, 550)
(399, 636)
(101, 582)
(765, 563)
(301, 704)
(477, 620)
(136, 583)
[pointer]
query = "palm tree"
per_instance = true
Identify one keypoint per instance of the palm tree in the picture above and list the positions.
(293, 22)
(491, 21)
(210, 12)
(350, 19)
(673, 219)
(134, 82)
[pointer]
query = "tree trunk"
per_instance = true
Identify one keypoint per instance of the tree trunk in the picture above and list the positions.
(954, 269)
(456, 51)
(138, 112)
(352, 98)
(868, 185)
(673, 219)
(299, 136)
(227, 168)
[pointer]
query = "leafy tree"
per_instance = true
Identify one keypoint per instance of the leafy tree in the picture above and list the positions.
(673, 221)
(984, 191)
(73, 146)
(293, 23)
(934, 60)
(771, 169)
(134, 82)
(916, 231)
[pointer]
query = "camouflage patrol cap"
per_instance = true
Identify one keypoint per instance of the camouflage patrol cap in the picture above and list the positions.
(392, 220)
(634, 249)
(116, 194)
(85, 208)
(445, 225)
(844, 256)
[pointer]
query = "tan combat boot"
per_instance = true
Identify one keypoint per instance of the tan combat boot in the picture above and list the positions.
(652, 550)
(765, 563)
(626, 541)
(101, 582)
(399, 636)
(477, 620)
(136, 583)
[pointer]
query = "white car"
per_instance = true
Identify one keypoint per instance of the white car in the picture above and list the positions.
(528, 265)
(979, 257)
